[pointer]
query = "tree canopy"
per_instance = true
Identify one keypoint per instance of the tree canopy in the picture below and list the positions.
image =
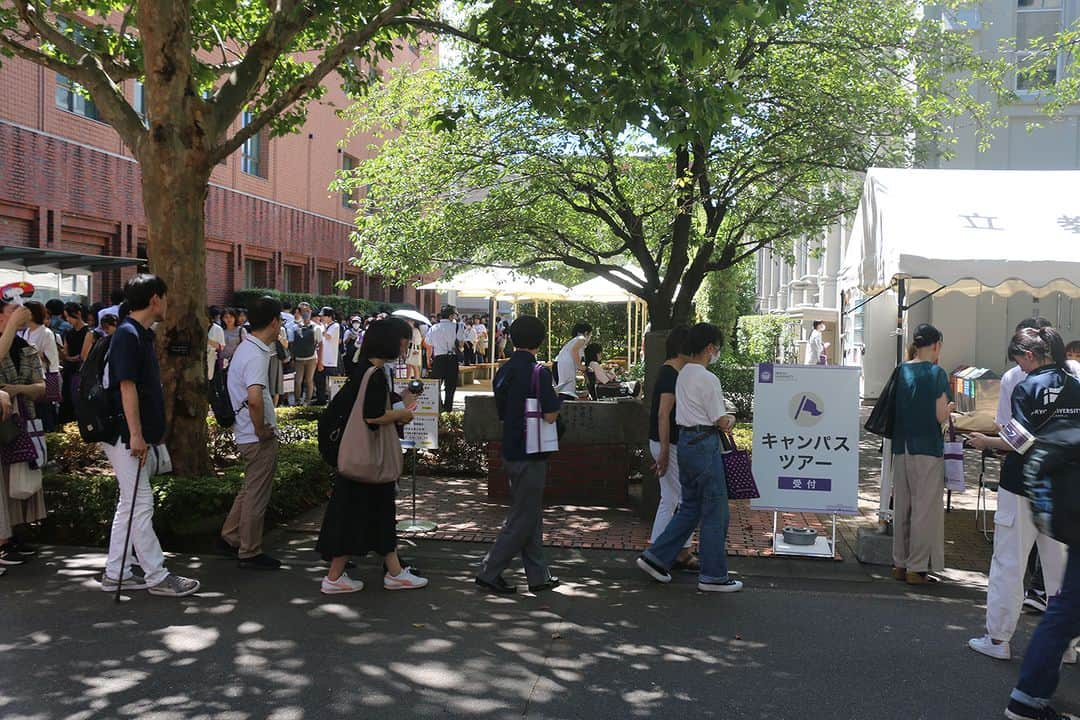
(677, 138)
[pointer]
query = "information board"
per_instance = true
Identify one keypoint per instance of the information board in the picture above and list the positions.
(424, 429)
(806, 438)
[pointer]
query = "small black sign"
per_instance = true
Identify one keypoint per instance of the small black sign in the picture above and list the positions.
(180, 349)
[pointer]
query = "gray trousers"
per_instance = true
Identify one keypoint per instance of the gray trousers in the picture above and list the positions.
(523, 530)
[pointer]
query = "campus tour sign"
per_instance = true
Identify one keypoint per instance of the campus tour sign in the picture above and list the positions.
(806, 445)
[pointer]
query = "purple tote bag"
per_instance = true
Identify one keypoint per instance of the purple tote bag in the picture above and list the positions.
(740, 478)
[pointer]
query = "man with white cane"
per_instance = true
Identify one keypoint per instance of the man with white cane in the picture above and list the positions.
(135, 383)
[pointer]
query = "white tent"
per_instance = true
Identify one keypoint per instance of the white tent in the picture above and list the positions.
(967, 231)
(976, 230)
(602, 290)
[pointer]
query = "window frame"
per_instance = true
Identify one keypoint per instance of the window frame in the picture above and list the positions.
(254, 153)
(350, 198)
(1059, 65)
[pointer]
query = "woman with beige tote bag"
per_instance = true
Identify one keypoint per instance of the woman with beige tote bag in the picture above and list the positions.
(361, 515)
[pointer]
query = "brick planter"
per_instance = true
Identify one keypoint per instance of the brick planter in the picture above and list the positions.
(577, 474)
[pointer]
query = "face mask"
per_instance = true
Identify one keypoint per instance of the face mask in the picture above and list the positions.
(306, 316)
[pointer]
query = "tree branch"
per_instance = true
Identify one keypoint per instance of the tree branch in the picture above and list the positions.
(233, 99)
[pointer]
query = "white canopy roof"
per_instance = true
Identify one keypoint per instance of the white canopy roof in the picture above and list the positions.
(500, 283)
(976, 230)
(602, 290)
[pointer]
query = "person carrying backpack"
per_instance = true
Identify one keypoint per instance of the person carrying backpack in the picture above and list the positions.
(305, 342)
(135, 384)
(522, 533)
(256, 436)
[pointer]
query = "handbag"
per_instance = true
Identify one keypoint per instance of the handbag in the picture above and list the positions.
(367, 456)
(540, 435)
(23, 481)
(36, 430)
(162, 464)
(53, 387)
(737, 470)
(21, 448)
(954, 462)
(883, 417)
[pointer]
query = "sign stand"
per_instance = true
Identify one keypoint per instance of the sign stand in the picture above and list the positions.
(413, 525)
(822, 547)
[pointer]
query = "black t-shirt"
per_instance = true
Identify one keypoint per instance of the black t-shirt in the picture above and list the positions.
(378, 390)
(73, 343)
(132, 357)
(665, 383)
(513, 386)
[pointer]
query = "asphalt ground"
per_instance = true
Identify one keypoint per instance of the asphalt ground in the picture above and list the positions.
(805, 639)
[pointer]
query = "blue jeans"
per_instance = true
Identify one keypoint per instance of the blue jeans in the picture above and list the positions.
(1060, 624)
(704, 502)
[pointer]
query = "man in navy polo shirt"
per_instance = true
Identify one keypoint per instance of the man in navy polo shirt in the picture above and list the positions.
(523, 530)
(135, 380)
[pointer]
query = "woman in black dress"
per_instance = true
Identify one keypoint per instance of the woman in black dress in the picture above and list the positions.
(361, 518)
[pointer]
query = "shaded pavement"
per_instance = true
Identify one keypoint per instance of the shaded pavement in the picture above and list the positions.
(806, 639)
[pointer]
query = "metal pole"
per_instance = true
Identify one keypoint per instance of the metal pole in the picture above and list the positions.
(549, 331)
(629, 332)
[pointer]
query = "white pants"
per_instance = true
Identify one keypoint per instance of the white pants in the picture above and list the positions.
(144, 541)
(670, 491)
(1014, 534)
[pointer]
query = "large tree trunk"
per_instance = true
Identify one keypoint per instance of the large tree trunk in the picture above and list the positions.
(174, 199)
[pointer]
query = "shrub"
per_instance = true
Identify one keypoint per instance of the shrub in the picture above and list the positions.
(454, 456)
(738, 385)
(767, 338)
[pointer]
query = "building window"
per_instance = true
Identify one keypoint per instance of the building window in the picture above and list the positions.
(397, 294)
(139, 100)
(294, 279)
(1036, 20)
(253, 154)
(255, 273)
(326, 282)
(70, 97)
(348, 164)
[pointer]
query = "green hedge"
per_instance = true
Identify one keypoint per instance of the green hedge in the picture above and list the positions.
(738, 384)
(347, 305)
(80, 490)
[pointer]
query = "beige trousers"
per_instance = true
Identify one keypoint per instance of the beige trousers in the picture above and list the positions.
(918, 512)
(243, 527)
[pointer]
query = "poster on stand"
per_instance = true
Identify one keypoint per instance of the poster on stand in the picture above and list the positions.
(424, 429)
(806, 438)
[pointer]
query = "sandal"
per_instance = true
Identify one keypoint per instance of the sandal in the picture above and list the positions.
(690, 564)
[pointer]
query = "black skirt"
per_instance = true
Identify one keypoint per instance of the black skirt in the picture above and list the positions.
(360, 519)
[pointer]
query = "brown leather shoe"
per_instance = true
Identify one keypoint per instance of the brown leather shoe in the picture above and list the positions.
(920, 578)
(899, 573)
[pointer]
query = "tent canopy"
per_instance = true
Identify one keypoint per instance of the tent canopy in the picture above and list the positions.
(602, 290)
(55, 261)
(499, 283)
(975, 230)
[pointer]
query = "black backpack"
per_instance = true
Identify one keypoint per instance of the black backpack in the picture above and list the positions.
(96, 408)
(220, 403)
(335, 417)
(304, 344)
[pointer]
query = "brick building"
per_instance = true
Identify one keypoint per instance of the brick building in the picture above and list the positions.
(67, 183)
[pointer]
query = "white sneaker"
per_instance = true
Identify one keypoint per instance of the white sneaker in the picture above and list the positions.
(1069, 658)
(343, 584)
(727, 586)
(131, 582)
(986, 646)
(404, 581)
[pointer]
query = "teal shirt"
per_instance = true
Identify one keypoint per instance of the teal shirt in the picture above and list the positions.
(917, 430)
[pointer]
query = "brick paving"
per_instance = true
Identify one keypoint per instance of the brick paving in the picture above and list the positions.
(465, 513)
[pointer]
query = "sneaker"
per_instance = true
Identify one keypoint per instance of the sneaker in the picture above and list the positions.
(131, 582)
(726, 586)
(23, 548)
(550, 584)
(1019, 711)
(405, 580)
(499, 587)
(654, 570)
(8, 555)
(1035, 601)
(343, 584)
(225, 548)
(989, 648)
(174, 586)
(262, 561)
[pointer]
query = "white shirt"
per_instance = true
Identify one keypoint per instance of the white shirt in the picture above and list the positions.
(1013, 377)
(815, 346)
(470, 333)
(442, 337)
(602, 375)
(331, 345)
(250, 366)
(567, 363)
(215, 335)
(45, 341)
(699, 399)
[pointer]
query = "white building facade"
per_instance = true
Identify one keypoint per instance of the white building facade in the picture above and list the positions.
(977, 328)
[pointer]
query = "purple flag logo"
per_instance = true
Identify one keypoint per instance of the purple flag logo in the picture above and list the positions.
(807, 409)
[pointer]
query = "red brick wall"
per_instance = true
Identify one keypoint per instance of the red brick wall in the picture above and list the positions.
(579, 474)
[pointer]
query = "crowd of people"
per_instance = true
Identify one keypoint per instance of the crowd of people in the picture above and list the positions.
(42, 347)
